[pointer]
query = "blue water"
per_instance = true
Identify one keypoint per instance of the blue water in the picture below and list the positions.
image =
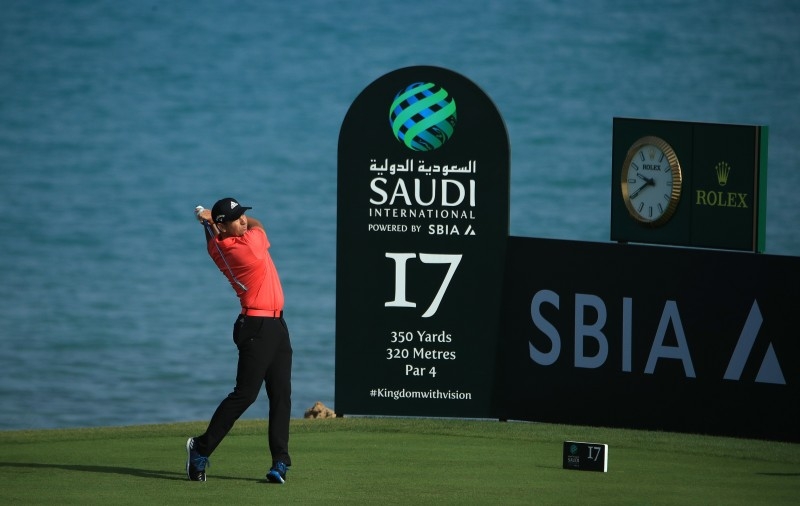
(117, 118)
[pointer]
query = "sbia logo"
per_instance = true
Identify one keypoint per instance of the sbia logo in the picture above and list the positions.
(770, 370)
(670, 324)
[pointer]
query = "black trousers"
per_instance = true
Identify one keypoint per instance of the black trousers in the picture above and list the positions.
(265, 355)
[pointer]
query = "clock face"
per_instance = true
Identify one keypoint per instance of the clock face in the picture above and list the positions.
(651, 181)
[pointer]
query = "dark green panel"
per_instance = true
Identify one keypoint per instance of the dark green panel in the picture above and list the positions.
(723, 199)
(762, 188)
(421, 237)
(623, 227)
(641, 336)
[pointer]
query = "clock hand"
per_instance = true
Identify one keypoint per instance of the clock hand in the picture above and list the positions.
(634, 194)
(648, 180)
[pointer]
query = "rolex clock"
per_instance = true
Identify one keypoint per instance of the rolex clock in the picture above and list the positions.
(651, 181)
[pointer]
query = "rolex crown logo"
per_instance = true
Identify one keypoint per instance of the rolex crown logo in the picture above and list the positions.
(651, 153)
(723, 170)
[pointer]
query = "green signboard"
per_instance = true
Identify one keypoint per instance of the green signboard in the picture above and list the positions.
(422, 223)
(689, 184)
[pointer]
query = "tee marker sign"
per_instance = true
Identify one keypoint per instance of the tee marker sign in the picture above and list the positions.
(585, 456)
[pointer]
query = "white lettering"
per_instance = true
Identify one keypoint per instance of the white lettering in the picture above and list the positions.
(680, 352)
(541, 323)
(595, 331)
(377, 189)
(447, 192)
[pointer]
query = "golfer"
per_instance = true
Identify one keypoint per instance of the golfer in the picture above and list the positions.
(239, 246)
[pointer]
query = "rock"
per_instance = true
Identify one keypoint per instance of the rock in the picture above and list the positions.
(319, 410)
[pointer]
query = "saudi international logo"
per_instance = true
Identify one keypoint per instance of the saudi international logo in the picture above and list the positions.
(423, 116)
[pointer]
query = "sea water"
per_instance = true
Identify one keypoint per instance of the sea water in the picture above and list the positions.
(118, 118)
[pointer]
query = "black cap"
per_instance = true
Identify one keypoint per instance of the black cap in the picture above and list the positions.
(227, 209)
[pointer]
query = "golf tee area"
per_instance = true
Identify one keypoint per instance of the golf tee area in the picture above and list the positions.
(395, 461)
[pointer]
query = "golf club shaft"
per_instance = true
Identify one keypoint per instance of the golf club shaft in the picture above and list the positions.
(219, 250)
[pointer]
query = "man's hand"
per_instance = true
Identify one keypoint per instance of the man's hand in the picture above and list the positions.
(202, 214)
(253, 223)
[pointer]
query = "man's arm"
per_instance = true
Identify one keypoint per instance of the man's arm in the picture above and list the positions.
(205, 215)
(253, 223)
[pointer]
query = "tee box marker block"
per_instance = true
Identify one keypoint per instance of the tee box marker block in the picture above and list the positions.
(585, 456)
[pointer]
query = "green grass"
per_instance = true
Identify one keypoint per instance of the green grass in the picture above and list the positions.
(395, 461)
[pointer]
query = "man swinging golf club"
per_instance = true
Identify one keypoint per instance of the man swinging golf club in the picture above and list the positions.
(239, 246)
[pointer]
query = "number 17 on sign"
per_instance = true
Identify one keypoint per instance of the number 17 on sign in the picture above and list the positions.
(400, 278)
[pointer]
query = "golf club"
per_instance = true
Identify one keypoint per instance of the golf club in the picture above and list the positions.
(197, 211)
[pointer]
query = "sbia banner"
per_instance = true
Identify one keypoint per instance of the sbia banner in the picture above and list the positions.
(422, 224)
(648, 337)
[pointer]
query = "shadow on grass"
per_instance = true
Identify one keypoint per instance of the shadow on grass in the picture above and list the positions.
(129, 471)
